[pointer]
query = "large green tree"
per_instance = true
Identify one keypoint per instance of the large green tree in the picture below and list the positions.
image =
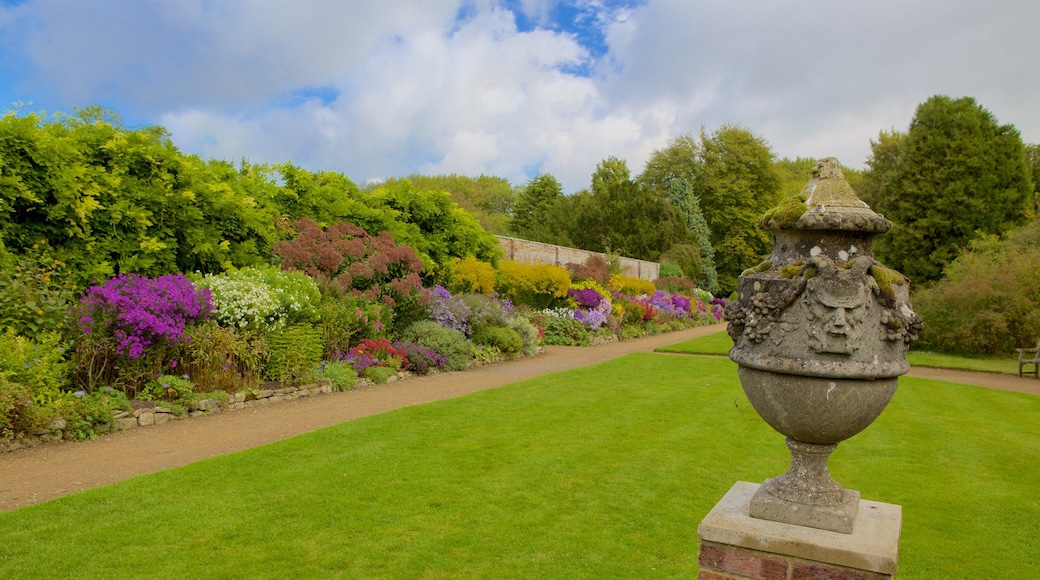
(489, 198)
(956, 174)
(733, 176)
(620, 216)
(539, 213)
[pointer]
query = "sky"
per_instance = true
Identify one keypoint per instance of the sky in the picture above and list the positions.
(515, 88)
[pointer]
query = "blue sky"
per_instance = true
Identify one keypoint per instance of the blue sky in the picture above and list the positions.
(514, 87)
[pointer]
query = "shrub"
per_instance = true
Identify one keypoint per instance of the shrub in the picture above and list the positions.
(630, 285)
(449, 343)
(676, 285)
(293, 352)
(348, 318)
(471, 275)
(595, 269)
(379, 375)
(344, 254)
(448, 311)
(138, 312)
(484, 311)
(421, 360)
(528, 334)
(561, 328)
(36, 293)
(18, 413)
(536, 285)
(37, 364)
(341, 375)
(224, 358)
(669, 270)
(987, 301)
(262, 298)
(167, 388)
(503, 338)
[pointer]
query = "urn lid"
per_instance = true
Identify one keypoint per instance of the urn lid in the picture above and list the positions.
(827, 202)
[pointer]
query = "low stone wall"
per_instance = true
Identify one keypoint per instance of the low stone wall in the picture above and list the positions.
(530, 252)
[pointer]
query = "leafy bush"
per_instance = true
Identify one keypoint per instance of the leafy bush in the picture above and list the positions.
(448, 311)
(37, 364)
(669, 270)
(536, 285)
(262, 298)
(447, 342)
(471, 275)
(528, 334)
(675, 285)
(348, 318)
(379, 375)
(987, 303)
(421, 360)
(18, 414)
(630, 285)
(167, 388)
(561, 328)
(36, 293)
(293, 352)
(342, 376)
(484, 311)
(595, 269)
(503, 338)
(224, 358)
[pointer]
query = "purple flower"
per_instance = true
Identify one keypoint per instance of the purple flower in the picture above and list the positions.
(140, 311)
(586, 298)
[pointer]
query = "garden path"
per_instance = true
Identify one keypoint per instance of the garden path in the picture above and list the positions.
(48, 471)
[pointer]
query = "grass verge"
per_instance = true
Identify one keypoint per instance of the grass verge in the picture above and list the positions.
(599, 472)
(719, 343)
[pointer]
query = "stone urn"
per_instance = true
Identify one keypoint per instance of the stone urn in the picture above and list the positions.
(820, 331)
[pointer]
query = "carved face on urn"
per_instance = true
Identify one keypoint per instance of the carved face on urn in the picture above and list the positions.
(835, 311)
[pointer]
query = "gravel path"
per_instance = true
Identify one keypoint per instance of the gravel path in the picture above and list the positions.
(37, 474)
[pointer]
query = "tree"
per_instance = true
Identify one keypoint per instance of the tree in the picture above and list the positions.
(700, 270)
(490, 199)
(609, 172)
(955, 175)
(537, 212)
(620, 216)
(733, 176)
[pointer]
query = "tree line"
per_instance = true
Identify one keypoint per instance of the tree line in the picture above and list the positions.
(108, 199)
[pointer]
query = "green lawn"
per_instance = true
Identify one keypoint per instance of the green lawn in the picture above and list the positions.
(599, 472)
(719, 343)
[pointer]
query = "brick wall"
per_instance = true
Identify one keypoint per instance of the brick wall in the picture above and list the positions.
(721, 562)
(530, 252)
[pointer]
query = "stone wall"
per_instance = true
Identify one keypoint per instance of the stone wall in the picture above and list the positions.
(530, 252)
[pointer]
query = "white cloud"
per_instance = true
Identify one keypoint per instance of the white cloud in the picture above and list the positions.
(377, 89)
(484, 99)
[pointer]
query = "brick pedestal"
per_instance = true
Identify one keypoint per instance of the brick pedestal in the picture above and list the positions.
(736, 546)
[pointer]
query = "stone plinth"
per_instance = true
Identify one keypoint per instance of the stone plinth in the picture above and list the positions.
(735, 545)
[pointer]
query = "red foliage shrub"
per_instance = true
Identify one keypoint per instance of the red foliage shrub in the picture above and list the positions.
(348, 256)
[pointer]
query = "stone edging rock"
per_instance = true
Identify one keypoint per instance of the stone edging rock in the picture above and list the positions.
(157, 414)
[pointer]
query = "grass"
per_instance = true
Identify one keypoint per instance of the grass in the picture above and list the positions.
(599, 472)
(719, 343)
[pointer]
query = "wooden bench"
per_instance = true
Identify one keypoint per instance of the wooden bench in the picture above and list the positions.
(1034, 359)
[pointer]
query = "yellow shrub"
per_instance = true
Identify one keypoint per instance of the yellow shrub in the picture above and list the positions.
(631, 286)
(471, 275)
(536, 285)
